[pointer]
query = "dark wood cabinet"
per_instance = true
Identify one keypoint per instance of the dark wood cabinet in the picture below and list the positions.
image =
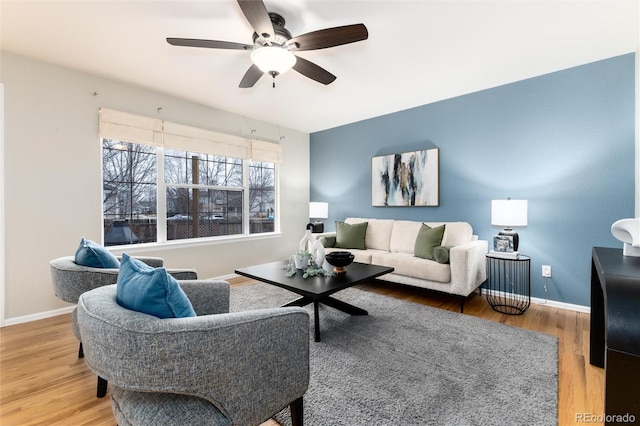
(615, 330)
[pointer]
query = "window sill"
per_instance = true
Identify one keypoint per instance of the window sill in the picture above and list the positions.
(193, 242)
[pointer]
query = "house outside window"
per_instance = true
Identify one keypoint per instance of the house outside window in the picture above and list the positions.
(158, 193)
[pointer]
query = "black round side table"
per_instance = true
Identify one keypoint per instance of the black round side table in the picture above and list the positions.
(509, 284)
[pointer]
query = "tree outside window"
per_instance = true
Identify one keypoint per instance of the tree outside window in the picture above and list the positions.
(262, 197)
(129, 192)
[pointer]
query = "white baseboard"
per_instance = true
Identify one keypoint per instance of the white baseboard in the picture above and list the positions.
(38, 316)
(561, 305)
(546, 302)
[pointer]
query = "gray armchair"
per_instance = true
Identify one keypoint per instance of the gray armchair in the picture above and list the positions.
(70, 280)
(217, 368)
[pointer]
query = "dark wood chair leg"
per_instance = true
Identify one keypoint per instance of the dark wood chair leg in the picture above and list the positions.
(462, 299)
(296, 412)
(80, 351)
(102, 387)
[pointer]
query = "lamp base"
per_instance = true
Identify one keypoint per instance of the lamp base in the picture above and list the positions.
(316, 227)
(511, 233)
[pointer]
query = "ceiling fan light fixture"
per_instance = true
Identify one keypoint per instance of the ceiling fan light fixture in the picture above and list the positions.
(273, 59)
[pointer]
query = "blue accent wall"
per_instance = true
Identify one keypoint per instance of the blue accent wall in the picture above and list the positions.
(565, 141)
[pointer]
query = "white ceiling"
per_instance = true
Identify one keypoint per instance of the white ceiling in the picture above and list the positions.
(418, 51)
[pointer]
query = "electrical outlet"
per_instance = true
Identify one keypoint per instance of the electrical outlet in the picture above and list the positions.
(546, 271)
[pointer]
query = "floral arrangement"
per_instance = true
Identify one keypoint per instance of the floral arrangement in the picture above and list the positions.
(305, 261)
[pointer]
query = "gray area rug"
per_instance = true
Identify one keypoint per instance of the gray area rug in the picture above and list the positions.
(407, 364)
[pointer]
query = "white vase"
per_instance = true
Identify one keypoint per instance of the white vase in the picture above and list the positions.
(307, 241)
(302, 262)
(317, 251)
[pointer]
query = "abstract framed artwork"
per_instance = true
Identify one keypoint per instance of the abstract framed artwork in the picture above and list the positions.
(406, 179)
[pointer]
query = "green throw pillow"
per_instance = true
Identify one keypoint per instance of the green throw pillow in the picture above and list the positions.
(351, 236)
(428, 239)
(441, 254)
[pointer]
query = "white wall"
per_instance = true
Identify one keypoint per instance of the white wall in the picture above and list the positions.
(2, 226)
(53, 177)
(637, 212)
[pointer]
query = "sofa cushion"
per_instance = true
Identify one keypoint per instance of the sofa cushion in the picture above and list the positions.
(410, 266)
(403, 236)
(428, 238)
(95, 256)
(362, 256)
(351, 236)
(456, 233)
(150, 290)
(378, 234)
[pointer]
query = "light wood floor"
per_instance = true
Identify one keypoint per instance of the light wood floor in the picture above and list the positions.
(42, 381)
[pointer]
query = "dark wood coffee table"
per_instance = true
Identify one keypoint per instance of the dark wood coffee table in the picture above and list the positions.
(316, 290)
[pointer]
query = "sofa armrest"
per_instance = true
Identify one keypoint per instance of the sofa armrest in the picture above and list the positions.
(70, 280)
(468, 266)
(183, 274)
(154, 262)
(207, 296)
(327, 240)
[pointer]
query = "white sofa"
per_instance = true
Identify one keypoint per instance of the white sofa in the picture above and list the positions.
(391, 243)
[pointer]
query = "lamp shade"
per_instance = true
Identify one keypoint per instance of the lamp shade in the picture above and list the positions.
(318, 210)
(273, 59)
(509, 212)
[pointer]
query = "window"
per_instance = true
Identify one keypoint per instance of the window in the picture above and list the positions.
(166, 181)
(204, 195)
(262, 196)
(129, 174)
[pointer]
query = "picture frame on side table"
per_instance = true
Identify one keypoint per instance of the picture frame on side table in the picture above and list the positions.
(406, 179)
(503, 244)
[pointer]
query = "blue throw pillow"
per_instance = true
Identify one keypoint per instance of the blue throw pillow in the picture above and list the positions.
(151, 290)
(95, 256)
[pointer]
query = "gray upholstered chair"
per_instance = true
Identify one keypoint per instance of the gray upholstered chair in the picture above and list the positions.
(217, 368)
(70, 280)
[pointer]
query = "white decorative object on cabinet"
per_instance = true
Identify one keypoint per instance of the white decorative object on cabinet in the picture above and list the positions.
(628, 231)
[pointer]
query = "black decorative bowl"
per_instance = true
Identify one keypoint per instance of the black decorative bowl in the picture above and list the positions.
(339, 259)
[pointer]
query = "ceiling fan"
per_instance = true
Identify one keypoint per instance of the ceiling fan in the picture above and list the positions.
(273, 46)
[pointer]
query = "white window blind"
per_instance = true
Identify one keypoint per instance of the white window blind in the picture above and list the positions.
(266, 152)
(125, 126)
(187, 138)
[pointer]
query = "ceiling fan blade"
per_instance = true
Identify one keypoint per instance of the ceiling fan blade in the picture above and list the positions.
(313, 71)
(212, 44)
(329, 37)
(251, 77)
(256, 13)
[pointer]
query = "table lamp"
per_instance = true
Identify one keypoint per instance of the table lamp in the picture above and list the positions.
(317, 211)
(509, 213)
